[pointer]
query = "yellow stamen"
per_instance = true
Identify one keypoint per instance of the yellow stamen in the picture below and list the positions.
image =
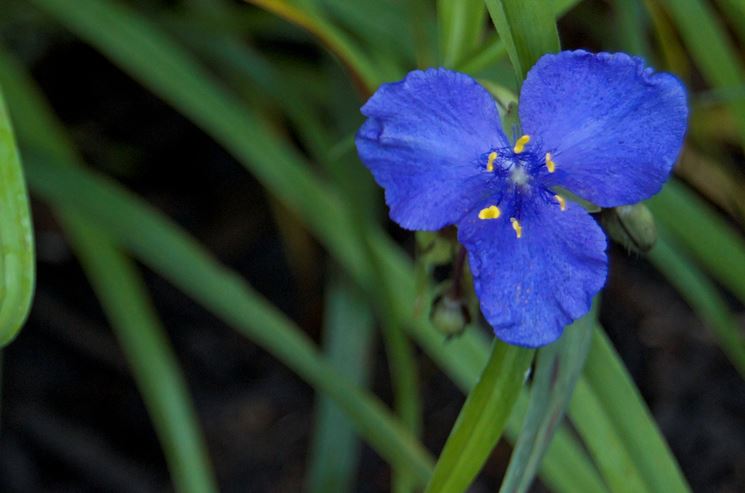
(520, 144)
(550, 164)
(491, 212)
(562, 202)
(516, 226)
(490, 163)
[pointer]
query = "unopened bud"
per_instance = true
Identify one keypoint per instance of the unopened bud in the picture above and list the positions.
(632, 226)
(449, 316)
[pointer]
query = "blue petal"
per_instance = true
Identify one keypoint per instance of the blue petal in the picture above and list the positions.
(531, 287)
(423, 142)
(613, 127)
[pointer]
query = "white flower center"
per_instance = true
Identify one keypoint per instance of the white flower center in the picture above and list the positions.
(519, 176)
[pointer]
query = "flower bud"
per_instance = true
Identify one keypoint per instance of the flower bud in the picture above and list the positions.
(449, 316)
(632, 226)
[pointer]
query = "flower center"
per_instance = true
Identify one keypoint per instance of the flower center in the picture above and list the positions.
(519, 176)
(518, 167)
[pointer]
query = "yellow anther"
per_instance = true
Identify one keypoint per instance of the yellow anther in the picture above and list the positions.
(520, 144)
(490, 163)
(491, 212)
(562, 202)
(516, 226)
(550, 164)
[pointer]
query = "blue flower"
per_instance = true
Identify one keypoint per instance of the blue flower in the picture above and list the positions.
(601, 126)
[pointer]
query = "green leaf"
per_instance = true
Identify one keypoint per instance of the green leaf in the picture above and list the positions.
(461, 25)
(618, 428)
(734, 11)
(606, 446)
(557, 368)
(169, 250)
(711, 49)
(493, 49)
(481, 420)
(528, 30)
(347, 341)
(17, 268)
(155, 368)
(176, 256)
(703, 296)
(125, 301)
(709, 238)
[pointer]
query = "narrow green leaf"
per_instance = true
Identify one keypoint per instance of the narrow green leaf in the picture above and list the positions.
(607, 447)
(17, 268)
(159, 379)
(711, 49)
(141, 337)
(632, 26)
(493, 49)
(347, 341)
(172, 253)
(481, 420)
(528, 30)
(709, 238)
(334, 39)
(461, 25)
(169, 250)
(557, 368)
(734, 12)
(701, 294)
(611, 391)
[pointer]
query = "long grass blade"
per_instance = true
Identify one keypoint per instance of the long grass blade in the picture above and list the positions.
(557, 368)
(17, 267)
(528, 30)
(154, 366)
(711, 49)
(481, 420)
(168, 250)
(347, 340)
(461, 24)
(701, 294)
(709, 238)
(627, 421)
(159, 378)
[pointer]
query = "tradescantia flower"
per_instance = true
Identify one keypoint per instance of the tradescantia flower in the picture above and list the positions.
(601, 126)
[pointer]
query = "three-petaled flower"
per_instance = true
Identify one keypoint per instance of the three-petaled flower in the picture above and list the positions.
(601, 126)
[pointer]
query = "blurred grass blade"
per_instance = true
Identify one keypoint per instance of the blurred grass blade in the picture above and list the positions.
(565, 468)
(159, 242)
(711, 49)
(611, 391)
(149, 55)
(481, 420)
(606, 445)
(528, 30)
(493, 49)
(734, 10)
(703, 296)
(632, 27)
(144, 345)
(334, 39)
(461, 25)
(17, 268)
(711, 240)
(557, 368)
(159, 379)
(347, 339)
(177, 257)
